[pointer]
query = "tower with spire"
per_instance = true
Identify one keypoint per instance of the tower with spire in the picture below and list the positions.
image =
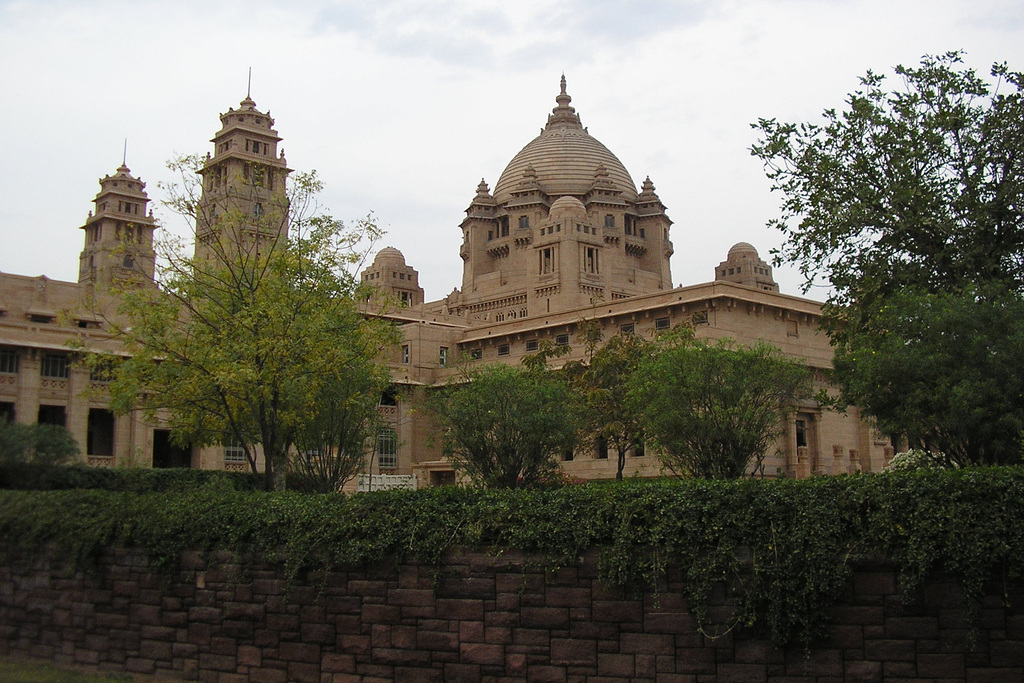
(244, 204)
(118, 247)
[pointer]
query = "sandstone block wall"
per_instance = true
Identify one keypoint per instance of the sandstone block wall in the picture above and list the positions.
(477, 618)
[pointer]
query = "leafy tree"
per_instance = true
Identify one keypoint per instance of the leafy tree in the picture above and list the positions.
(503, 426)
(713, 408)
(942, 372)
(920, 186)
(42, 444)
(603, 385)
(908, 203)
(258, 339)
(333, 445)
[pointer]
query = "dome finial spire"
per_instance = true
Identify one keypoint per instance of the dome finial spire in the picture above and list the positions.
(563, 113)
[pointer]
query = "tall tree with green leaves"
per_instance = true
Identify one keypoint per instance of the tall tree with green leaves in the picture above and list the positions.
(909, 204)
(602, 384)
(942, 372)
(505, 427)
(714, 409)
(259, 339)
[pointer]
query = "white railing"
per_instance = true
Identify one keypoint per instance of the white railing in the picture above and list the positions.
(385, 482)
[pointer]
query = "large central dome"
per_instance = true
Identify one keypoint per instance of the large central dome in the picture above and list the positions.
(563, 160)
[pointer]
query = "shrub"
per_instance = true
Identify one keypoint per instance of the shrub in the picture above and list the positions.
(35, 477)
(40, 444)
(917, 459)
(794, 543)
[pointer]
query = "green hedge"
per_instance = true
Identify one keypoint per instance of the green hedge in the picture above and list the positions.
(33, 477)
(785, 547)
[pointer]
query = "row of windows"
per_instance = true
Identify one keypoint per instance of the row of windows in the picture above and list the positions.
(99, 434)
(257, 147)
(57, 365)
(524, 223)
(387, 450)
(258, 175)
(739, 270)
(601, 449)
(563, 339)
(512, 314)
(395, 275)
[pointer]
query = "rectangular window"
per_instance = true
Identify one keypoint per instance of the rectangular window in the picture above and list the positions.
(531, 344)
(547, 260)
(801, 434)
(442, 356)
(100, 434)
(52, 415)
(476, 354)
(102, 371)
(405, 354)
(562, 340)
(792, 328)
(54, 365)
(699, 318)
(628, 328)
(590, 264)
(524, 221)
(609, 221)
(6, 412)
(662, 323)
(503, 349)
(387, 448)
(8, 361)
(602, 448)
(234, 453)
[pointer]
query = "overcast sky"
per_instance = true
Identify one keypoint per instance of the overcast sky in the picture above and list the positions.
(403, 106)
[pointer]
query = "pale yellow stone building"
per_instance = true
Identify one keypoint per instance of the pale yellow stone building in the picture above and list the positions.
(566, 236)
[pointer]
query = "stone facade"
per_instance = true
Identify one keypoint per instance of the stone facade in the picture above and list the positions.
(566, 236)
(476, 617)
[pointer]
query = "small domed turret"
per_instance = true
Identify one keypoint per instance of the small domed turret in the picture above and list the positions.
(744, 266)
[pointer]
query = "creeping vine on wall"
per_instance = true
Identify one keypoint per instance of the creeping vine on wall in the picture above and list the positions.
(784, 549)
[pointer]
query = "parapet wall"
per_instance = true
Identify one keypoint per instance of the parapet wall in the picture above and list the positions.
(476, 618)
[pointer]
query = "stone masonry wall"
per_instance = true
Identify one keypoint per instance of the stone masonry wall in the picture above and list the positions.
(480, 618)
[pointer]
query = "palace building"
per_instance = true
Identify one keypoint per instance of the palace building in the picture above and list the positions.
(566, 236)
